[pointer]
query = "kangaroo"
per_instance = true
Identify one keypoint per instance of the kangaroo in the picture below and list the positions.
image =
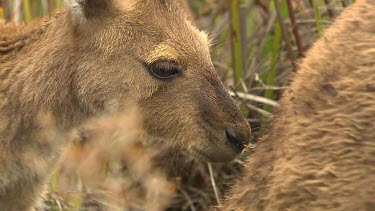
(320, 150)
(93, 58)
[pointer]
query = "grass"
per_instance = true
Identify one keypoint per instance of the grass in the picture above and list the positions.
(237, 54)
(26, 10)
(318, 17)
(256, 46)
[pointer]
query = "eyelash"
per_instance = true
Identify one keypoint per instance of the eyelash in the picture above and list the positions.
(164, 69)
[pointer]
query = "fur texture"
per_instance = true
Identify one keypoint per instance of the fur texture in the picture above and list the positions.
(92, 59)
(320, 151)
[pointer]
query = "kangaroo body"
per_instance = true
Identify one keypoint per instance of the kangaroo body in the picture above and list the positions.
(319, 153)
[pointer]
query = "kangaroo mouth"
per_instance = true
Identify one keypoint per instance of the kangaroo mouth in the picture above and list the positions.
(215, 154)
(215, 146)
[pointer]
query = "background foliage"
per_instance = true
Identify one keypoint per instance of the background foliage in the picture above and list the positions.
(257, 45)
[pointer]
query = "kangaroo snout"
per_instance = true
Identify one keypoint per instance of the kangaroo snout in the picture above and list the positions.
(238, 137)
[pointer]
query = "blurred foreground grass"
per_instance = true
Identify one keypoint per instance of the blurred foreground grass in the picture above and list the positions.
(256, 48)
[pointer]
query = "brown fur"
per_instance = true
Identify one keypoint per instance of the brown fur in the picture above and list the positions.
(88, 60)
(320, 151)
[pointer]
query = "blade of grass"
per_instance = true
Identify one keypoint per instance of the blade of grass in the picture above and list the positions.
(1, 9)
(285, 36)
(272, 48)
(26, 10)
(237, 49)
(318, 18)
(5, 7)
(275, 53)
(58, 3)
(254, 98)
(213, 183)
(244, 39)
(236, 43)
(1, 12)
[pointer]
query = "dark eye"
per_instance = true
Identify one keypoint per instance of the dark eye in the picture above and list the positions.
(164, 69)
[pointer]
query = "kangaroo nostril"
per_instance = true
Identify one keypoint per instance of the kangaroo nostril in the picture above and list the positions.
(236, 140)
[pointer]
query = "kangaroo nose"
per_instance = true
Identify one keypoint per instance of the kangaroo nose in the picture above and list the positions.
(236, 139)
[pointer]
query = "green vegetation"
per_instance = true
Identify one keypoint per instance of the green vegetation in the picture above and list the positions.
(237, 43)
(25, 10)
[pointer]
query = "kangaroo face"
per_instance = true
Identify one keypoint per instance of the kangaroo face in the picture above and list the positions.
(145, 51)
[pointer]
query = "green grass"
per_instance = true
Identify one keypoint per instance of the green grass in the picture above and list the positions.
(318, 17)
(1, 13)
(26, 10)
(29, 9)
(237, 44)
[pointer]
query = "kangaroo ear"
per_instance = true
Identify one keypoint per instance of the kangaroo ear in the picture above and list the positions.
(83, 9)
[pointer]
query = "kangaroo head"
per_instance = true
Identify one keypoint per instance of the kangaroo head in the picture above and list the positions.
(145, 51)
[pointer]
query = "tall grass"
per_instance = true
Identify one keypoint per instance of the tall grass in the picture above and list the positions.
(257, 59)
(237, 43)
(26, 10)
(1, 10)
(318, 17)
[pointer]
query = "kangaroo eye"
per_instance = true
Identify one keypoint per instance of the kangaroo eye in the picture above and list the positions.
(164, 69)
